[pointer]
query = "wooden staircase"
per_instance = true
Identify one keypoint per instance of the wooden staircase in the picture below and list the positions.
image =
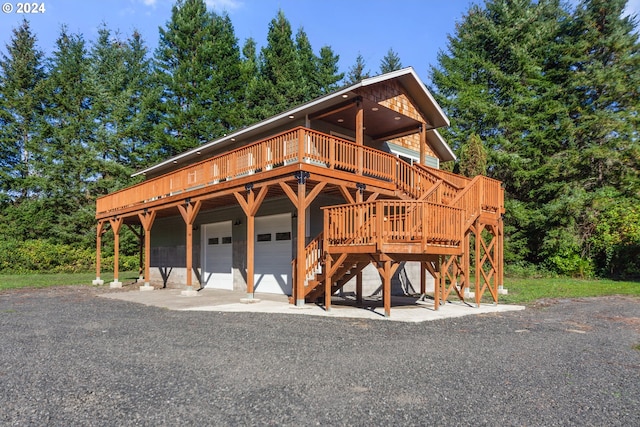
(433, 215)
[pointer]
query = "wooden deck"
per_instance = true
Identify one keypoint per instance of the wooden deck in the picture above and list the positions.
(393, 210)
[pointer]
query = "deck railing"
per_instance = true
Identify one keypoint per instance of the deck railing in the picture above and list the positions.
(282, 149)
(319, 149)
(385, 222)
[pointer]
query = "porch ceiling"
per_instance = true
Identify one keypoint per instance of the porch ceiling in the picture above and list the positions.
(379, 122)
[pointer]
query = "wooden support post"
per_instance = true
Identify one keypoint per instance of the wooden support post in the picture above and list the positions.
(189, 211)
(328, 282)
(423, 278)
(99, 232)
(300, 243)
(301, 201)
(478, 281)
(423, 142)
(386, 288)
(500, 258)
(116, 223)
(466, 265)
(387, 268)
(359, 136)
(250, 207)
(436, 285)
(359, 288)
(146, 219)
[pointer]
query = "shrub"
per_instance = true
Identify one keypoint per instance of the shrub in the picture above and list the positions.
(44, 256)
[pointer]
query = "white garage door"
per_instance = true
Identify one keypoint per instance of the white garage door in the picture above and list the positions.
(218, 254)
(273, 254)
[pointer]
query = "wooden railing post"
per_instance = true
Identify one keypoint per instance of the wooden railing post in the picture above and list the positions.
(301, 148)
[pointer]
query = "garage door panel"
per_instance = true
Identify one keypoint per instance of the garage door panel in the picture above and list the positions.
(218, 256)
(272, 268)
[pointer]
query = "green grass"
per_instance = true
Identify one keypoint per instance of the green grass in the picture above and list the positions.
(523, 291)
(40, 280)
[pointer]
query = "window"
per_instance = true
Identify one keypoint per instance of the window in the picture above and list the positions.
(283, 236)
(213, 241)
(264, 237)
(226, 240)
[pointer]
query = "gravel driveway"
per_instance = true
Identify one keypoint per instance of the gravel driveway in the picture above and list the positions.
(70, 358)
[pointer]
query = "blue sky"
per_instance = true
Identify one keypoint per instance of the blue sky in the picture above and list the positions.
(415, 29)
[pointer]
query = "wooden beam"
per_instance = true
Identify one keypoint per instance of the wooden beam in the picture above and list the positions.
(359, 136)
(290, 193)
(345, 193)
(372, 197)
(99, 233)
(189, 213)
(116, 224)
(338, 109)
(300, 242)
(147, 219)
(314, 193)
(250, 207)
(328, 281)
(423, 142)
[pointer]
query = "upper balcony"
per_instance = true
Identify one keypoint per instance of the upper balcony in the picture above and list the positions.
(301, 146)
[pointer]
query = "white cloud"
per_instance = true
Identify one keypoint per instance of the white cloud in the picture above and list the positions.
(149, 2)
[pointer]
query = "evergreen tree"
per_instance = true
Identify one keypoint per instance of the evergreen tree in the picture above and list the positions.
(200, 75)
(357, 71)
(69, 149)
(328, 75)
(251, 78)
(553, 94)
(121, 77)
(308, 63)
(602, 89)
(280, 73)
(390, 62)
(473, 157)
(21, 115)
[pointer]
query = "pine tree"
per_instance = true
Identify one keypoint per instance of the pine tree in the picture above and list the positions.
(602, 82)
(328, 71)
(280, 75)
(552, 92)
(200, 75)
(21, 115)
(473, 157)
(357, 72)
(121, 76)
(308, 63)
(69, 148)
(390, 62)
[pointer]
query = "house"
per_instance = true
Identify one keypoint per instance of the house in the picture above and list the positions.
(343, 191)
